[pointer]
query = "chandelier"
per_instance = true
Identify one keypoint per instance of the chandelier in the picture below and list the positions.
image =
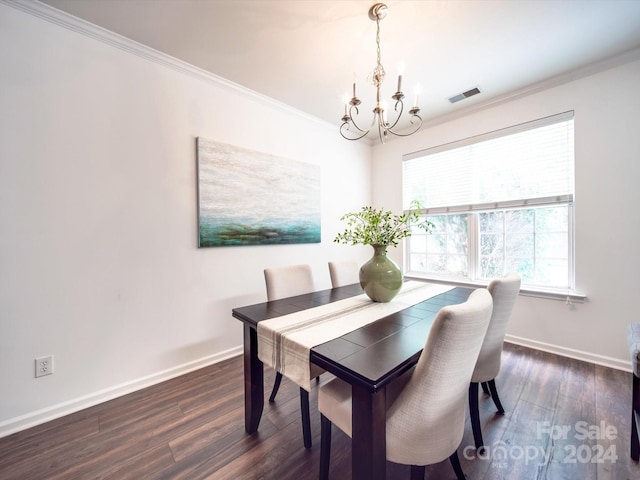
(349, 128)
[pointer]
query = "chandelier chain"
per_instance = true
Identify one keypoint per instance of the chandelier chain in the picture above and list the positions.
(378, 74)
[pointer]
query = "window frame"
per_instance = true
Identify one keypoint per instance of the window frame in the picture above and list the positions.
(568, 294)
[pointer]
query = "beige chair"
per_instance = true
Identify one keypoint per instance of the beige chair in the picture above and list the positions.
(285, 282)
(344, 272)
(633, 339)
(289, 281)
(504, 292)
(425, 423)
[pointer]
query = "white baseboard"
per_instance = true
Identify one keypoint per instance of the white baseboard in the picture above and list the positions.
(56, 411)
(610, 362)
(38, 417)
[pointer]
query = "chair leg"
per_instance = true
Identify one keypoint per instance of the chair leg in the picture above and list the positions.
(474, 413)
(276, 386)
(455, 463)
(304, 409)
(635, 441)
(635, 419)
(485, 388)
(325, 447)
(417, 472)
(494, 396)
(306, 418)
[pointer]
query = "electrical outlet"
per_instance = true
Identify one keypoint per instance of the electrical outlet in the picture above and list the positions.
(44, 366)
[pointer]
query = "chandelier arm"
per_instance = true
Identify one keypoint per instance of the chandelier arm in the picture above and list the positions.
(347, 138)
(381, 129)
(395, 108)
(353, 121)
(409, 133)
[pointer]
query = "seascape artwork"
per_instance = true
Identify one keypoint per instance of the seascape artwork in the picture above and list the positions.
(251, 198)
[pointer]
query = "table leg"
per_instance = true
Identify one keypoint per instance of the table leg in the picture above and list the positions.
(253, 381)
(369, 441)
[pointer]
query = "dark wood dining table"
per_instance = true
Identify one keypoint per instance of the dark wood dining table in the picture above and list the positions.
(369, 358)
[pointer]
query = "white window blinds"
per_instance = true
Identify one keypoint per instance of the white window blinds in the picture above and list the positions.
(528, 164)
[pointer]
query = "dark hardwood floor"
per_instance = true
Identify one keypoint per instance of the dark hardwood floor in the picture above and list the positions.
(565, 419)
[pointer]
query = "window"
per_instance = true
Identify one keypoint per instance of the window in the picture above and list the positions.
(499, 202)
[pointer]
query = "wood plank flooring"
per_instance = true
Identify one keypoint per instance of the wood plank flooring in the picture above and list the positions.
(192, 428)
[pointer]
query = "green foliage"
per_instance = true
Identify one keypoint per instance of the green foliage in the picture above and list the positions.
(380, 227)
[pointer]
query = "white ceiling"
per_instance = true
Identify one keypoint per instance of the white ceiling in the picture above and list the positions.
(305, 53)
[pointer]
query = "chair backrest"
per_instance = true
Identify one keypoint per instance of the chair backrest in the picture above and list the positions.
(504, 292)
(344, 272)
(425, 424)
(288, 281)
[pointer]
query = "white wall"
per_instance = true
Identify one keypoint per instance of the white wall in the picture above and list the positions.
(607, 229)
(98, 257)
(99, 263)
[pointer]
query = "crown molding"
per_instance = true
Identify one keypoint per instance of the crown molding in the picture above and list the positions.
(75, 24)
(558, 80)
(70, 22)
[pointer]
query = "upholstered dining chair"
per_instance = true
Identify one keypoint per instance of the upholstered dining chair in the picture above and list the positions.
(425, 422)
(504, 292)
(344, 272)
(285, 282)
(633, 339)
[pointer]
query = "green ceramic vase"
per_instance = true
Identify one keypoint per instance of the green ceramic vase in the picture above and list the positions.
(380, 277)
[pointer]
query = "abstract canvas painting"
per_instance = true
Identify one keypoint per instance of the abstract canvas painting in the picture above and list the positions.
(251, 198)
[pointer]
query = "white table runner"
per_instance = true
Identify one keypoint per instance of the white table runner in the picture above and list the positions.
(284, 342)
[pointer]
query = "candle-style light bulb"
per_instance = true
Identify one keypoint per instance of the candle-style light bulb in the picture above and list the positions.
(400, 72)
(355, 78)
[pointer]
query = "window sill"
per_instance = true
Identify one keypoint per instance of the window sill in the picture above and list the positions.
(567, 296)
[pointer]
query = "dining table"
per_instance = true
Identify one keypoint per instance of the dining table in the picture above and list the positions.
(369, 357)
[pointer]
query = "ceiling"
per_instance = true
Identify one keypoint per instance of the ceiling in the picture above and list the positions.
(306, 53)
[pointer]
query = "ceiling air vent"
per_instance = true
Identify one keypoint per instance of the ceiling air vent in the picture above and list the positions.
(463, 95)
